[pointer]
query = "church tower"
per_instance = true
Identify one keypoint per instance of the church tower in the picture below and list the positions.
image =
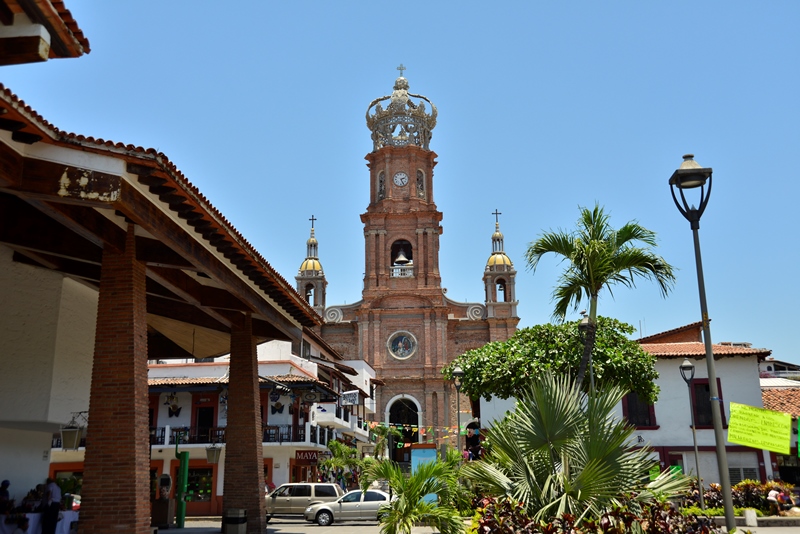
(310, 278)
(499, 283)
(404, 326)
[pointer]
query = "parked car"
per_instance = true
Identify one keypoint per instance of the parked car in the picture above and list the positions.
(352, 506)
(293, 498)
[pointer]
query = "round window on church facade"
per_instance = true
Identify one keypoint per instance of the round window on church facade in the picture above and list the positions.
(402, 345)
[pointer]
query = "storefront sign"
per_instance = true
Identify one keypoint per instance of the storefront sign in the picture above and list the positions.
(308, 457)
(760, 428)
(350, 398)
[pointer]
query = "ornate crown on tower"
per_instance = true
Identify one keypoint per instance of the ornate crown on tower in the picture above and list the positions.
(403, 122)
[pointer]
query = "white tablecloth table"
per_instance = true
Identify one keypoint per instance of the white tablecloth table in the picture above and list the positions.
(35, 523)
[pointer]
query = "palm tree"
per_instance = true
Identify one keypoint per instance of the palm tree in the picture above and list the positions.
(598, 257)
(382, 435)
(410, 506)
(344, 460)
(562, 451)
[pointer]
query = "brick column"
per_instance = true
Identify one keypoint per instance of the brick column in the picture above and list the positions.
(116, 476)
(244, 463)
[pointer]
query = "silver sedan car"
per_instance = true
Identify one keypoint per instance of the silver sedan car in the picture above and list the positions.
(352, 506)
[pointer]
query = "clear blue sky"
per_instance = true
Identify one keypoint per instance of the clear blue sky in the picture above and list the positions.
(543, 107)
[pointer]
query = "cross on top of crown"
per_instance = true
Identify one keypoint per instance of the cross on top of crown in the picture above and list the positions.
(401, 68)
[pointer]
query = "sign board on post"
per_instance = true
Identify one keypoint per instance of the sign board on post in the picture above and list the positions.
(421, 453)
(760, 428)
(350, 398)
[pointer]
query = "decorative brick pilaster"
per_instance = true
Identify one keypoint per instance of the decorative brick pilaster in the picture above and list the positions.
(244, 464)
(116, 476)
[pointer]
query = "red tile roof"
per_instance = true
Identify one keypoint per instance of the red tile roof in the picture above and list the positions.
(210, 381)
(150, 157)
(698, 350)
(687, 342)
(782, 400)
(67, 24)
(66, 38)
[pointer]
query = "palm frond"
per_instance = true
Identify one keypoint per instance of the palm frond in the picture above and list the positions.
(599, 257)
(563, 450)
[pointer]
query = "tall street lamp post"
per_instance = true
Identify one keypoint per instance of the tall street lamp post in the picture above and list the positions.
(690, 175)
(458, 375)
(687, 372)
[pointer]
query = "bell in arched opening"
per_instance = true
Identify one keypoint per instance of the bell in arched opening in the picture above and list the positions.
(401, 258)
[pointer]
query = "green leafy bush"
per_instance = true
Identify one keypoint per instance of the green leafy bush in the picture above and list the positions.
(506, 516)
(718, 512)
(745, 494)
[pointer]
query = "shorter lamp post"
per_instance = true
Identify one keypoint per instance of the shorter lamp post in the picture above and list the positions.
(687, 372)
(458, 375)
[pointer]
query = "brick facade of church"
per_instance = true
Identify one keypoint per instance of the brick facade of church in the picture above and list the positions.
(404, 326)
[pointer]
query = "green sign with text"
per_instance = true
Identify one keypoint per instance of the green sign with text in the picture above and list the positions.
(760, 428)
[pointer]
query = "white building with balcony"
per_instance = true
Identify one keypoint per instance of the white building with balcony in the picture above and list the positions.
(302, 409)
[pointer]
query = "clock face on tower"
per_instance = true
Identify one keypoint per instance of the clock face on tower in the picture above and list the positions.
(400, 178)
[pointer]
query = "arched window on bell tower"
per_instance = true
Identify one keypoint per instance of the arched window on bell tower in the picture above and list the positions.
(308, 294)
(501, 294)
(402, 259)
(381, 185)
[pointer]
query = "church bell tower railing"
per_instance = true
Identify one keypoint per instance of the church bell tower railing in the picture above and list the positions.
(401, 271)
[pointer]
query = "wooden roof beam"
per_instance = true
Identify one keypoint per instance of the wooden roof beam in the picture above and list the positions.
(186, 288)
(161, 227)
(155, 254)
(26, 227)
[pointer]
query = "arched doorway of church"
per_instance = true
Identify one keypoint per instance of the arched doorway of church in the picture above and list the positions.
(404, 414)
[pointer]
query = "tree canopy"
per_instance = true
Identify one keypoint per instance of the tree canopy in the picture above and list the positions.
(504, 368)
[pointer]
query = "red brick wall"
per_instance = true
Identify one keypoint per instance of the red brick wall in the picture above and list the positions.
(244, 465)
(687, 334)
(116, 477)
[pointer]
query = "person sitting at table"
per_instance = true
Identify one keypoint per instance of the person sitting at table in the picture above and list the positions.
(785, 500)
(22, 526)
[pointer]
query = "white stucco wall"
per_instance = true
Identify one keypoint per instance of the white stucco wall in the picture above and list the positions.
(48, 325)
(365, 374)
(31, 300)
(74, 350)
(495, 410)
(24, 459)
(739, 383)
(739, 379)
